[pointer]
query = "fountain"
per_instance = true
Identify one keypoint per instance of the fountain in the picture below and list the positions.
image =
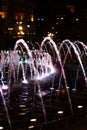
(22, 68)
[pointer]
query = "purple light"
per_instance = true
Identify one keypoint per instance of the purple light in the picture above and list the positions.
(4, 87)
(25, 81)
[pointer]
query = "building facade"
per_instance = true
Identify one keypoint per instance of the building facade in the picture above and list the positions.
(17, 18)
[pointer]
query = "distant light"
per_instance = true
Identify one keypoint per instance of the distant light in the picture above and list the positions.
(80, 106)
(77, 19)
(51, 88)
(61, 18)
(20, 28)
(10, 29)
(50, 34)
(52, 27)
(18, 33)
(31, 127)
(60, 112)
(20, 22)
(22, 114)
(32, 18)
(42, 19)
(22, 33)
(1, 128)
(67, 87)
(27, 41)
(58, 18)
(22, 106)
(3, 15)
(74, 89)
(57, 90)
(21, 17)
(28, 26)
(34, 33)
(33, 120)
(38, 19)
(56, 23)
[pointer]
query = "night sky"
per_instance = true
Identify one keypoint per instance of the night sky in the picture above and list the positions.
(60, 2)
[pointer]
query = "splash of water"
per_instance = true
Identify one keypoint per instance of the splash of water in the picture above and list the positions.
(39, 62)
(77, 54)
(60, 61)
(21, 41)
(5, 107)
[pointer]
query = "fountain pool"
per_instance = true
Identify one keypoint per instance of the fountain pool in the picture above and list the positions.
(36, 80)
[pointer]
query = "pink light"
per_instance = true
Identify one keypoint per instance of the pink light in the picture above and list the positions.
(43, 76)
(25, 81)
(4, 87)
(40, 77)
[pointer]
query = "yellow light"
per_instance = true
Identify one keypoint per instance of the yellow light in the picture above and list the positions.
(32, 18)
(50, 34)
(20, 22)
(21, 17)
(3, 15)
(20, 28)
(18, 33)
(31, 127)
(10, 29)
(22, 33)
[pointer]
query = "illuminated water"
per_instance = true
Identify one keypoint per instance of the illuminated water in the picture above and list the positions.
(42, 66)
